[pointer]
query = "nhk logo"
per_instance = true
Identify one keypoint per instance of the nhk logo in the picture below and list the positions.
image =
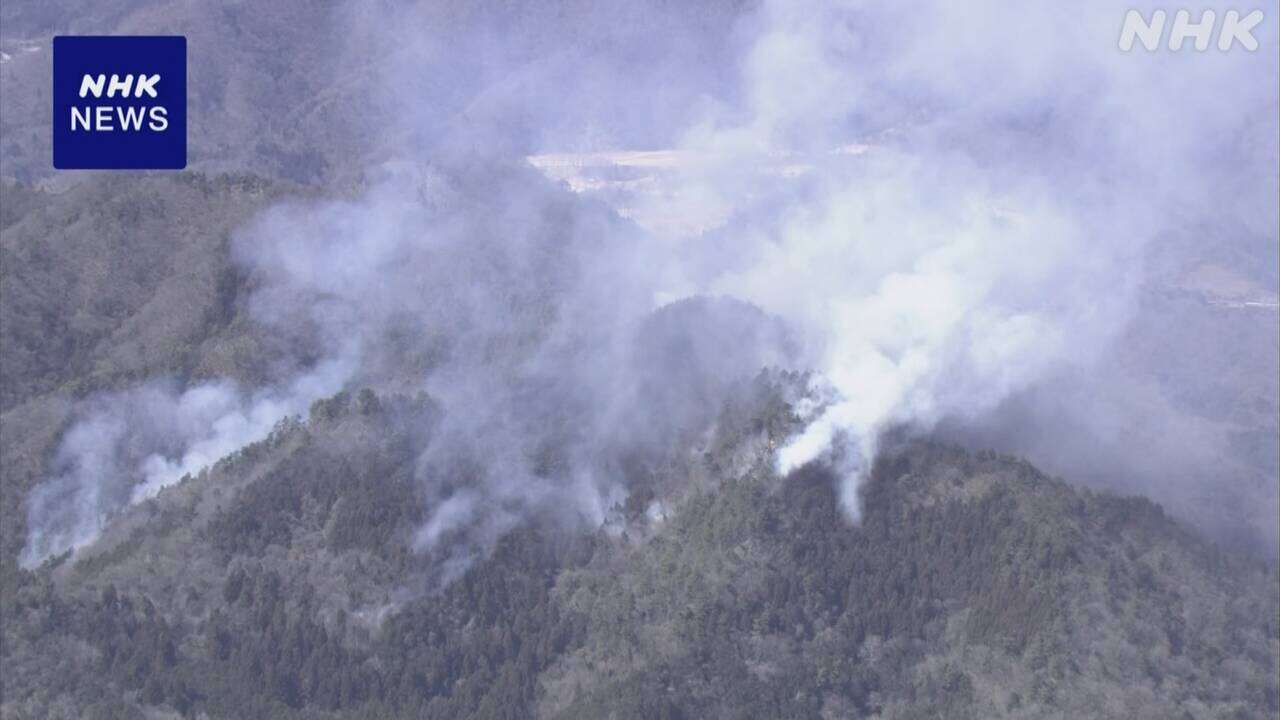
(1234, 29)
(100, 117)
(119, 102)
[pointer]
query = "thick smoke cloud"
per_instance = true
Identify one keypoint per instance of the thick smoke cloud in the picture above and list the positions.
(128, 446)
(944, 204)
(995, 229)
(523, 312)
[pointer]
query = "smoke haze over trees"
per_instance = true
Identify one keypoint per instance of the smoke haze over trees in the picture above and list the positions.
(574, 436)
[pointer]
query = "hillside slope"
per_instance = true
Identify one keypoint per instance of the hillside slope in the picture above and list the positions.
(290, 579)
(112, 282)
(281, 583)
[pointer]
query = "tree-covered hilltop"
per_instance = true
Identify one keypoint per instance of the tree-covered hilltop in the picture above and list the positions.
(282, 583)
(288, 581)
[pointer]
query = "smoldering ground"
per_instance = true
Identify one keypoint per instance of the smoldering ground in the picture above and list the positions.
(1014, 170)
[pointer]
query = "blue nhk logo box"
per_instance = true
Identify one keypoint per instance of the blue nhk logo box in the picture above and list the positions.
(119, 102)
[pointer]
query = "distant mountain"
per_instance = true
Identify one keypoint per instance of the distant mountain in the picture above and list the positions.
(313, 93)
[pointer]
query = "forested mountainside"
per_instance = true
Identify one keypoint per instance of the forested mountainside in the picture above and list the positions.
(644, 359)
(280, 584)
(110, 282)
(120, 278)
(288, 580)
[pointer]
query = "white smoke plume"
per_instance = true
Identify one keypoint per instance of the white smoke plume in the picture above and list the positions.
(526, 314)
(944, 204)
(128, 446)
(1013, 166)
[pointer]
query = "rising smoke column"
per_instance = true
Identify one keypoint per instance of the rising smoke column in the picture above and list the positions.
(1012, 166)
